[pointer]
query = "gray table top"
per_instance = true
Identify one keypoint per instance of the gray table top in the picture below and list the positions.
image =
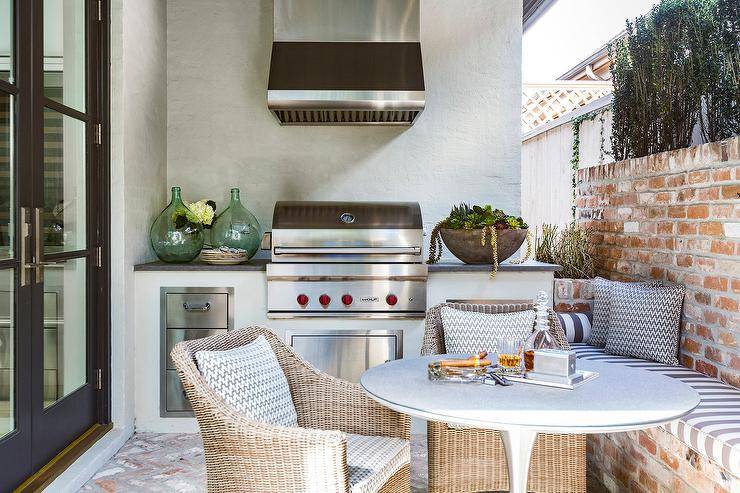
(620, 399)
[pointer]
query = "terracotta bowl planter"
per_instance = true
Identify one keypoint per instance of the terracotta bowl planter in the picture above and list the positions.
(465, 244)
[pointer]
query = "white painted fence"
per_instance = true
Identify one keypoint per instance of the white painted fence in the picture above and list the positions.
(546, 162)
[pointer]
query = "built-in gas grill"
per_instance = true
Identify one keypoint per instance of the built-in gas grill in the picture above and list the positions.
(357, 259)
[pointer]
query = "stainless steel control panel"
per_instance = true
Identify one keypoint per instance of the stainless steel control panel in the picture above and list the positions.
(186, 314)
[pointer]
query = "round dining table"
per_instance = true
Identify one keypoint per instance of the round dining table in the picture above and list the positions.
(619, 399)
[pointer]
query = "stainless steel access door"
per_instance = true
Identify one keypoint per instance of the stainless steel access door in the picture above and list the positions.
(346, 354)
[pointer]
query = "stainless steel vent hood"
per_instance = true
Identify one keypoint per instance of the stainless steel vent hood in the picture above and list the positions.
(346, 62)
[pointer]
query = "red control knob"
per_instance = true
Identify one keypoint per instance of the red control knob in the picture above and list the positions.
(302, 299)
(391, 299)
(324, 299)
(347, 299)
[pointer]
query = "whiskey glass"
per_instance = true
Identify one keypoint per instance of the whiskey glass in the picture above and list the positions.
(509, 355)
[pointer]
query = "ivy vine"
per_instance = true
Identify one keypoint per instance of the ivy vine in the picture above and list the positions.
(575, 158)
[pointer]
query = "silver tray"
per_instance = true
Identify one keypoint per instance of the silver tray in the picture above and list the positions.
(587, 377)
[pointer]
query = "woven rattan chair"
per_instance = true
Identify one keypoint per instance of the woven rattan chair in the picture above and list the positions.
(244, 455)
(465, 459)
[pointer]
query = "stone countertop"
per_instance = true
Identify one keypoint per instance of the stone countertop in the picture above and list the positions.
(529, 266)
(256, 264)
(260, 264)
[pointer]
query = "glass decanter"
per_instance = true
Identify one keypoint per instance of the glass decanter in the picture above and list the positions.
(236, 227)
(541, 338)
(177, 234)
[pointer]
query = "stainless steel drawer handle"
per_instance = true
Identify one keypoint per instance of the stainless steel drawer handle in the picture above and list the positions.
(197, 307)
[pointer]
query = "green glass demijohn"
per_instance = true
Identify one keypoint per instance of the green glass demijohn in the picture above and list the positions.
(236, 227)
(177, 233)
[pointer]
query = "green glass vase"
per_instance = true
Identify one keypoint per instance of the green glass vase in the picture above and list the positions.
(236, 227)
(177, 234)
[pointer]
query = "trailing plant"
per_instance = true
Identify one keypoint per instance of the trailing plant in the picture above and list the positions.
(676, 68)
(575, 158)
(569, 248)
(484, 218)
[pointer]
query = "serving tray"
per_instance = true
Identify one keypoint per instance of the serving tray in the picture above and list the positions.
(587, 377)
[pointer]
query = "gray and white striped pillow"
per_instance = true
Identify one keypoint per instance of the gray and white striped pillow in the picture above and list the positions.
(577, 326)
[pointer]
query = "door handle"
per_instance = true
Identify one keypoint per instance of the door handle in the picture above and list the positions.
(37, 265)
(25, 244)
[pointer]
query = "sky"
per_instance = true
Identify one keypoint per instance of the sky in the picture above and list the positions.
(571, 30)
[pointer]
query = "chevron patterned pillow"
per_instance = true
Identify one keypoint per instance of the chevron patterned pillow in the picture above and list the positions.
(470, 332)
(250, 379)
(602, 302)
(646, 323)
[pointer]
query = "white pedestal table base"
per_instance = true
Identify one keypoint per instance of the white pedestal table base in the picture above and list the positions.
(518, 446)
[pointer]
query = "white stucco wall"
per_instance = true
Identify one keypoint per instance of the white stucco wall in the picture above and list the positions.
(465, 146)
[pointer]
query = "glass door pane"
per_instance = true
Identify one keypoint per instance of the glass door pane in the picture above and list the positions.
(7, 352)
(65, 329)
(7, 275)
(6, 40)
(7, 197)
(65, 211)
(64, 52)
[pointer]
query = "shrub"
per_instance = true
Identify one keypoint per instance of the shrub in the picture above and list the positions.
(677, 67)
(569, 248)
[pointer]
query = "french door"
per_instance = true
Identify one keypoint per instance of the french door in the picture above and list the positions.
(53, 273)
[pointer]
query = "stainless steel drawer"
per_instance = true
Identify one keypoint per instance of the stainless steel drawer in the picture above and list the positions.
(175, 395)
(178, 335)
(197, 310)
(346, 354)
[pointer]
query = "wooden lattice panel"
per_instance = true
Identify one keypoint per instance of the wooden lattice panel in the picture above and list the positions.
(542, 103)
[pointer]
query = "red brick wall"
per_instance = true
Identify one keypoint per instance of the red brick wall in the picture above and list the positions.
(573, 295)
(676, 216)
(653, 461)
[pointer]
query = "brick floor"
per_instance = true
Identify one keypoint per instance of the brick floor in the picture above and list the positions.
(173, 462)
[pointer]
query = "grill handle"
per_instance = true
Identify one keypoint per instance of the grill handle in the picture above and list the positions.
(347, 251)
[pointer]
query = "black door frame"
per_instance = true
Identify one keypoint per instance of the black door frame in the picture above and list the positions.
(22, 448)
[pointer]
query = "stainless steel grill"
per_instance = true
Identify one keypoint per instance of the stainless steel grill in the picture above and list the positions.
(356, 259)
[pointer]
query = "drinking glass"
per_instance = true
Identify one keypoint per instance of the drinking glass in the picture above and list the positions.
(509, 355)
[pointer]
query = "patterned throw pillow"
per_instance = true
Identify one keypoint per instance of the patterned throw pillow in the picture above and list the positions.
(602, 303)
(645, 323)
(577, 326)
(250, 379)
(470, 332)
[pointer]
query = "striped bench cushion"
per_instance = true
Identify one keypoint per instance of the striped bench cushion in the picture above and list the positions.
(577, 326)
(713, 428)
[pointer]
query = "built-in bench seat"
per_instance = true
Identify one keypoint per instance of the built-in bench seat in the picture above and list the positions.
(713, 428)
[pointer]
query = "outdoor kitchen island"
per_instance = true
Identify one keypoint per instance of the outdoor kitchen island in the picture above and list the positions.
(447, 280)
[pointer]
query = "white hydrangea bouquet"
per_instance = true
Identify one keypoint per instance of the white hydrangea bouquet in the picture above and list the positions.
(204, 210)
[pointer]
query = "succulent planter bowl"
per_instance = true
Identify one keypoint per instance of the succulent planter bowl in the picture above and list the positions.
(465, 244)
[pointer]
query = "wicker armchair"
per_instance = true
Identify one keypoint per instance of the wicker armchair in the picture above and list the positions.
(245, 455)
(465, 459)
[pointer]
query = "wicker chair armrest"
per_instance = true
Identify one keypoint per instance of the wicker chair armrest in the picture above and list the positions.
(275, 458)
(247, 455)
(327, 403)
